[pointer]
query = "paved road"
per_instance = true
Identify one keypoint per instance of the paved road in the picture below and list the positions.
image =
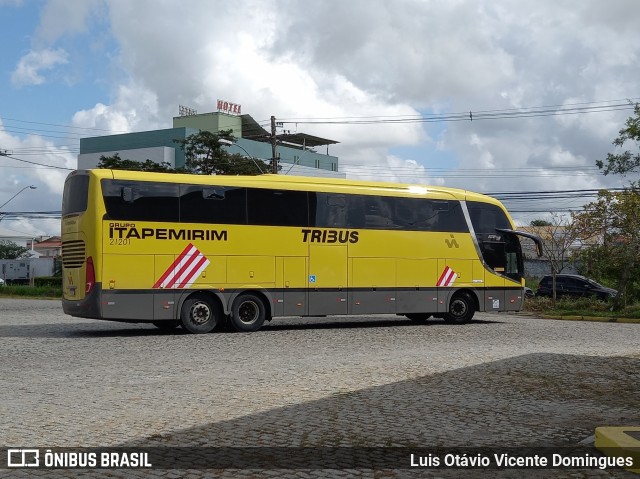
(365, 382)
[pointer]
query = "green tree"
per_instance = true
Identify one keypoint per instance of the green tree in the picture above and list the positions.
(204, 155)
(618, 214)
(538, 223)
(626, 161)
(615, 218)
(116, 163)
(11, 250)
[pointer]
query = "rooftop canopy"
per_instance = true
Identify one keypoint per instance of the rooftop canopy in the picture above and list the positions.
(251, 130)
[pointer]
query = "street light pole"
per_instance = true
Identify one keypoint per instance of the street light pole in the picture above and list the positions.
(274, 143)
(224, 141)
(26, 187)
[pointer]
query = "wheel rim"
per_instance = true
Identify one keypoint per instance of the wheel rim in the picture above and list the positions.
(458, 308)
(200, 313)
(248, 312)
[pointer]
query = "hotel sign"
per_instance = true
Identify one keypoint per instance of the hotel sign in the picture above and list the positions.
(230, 108)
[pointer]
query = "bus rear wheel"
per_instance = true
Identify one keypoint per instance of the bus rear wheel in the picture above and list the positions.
(199, 314)
(248, 313)
(461, 309)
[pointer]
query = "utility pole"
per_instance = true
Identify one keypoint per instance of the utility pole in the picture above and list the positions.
(274, 140)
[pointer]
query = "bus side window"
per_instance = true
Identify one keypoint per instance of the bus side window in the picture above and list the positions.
(213, 204)
(378, 212)
(330, 210)
(426, 216)
(141, 200)
(450, 217)
(277, 207)
(355, 211)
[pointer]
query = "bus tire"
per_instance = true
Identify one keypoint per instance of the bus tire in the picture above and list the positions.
(461, 309)
(247, 313)
(418, 317)
(199, 314)
(166, 325)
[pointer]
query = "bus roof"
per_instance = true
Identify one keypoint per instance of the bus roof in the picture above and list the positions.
(320, 184)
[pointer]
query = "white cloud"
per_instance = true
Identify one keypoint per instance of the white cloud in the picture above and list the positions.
(30, 66)
(64, 17)
(371, 58)
(134, 109)
(352, 59)
(389, 168)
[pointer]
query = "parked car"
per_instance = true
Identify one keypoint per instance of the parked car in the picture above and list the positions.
(574, 285)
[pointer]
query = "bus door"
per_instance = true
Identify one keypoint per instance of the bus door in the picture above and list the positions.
(514, 271)
(495, 258)
(294, 296)
(327, 279)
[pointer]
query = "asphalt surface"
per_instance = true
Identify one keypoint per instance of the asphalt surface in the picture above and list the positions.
(359, 384)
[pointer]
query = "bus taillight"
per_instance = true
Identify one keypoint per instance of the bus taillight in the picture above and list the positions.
(90, 276)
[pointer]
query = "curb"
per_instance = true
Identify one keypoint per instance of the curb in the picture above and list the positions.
(600, 319)
(620, 441)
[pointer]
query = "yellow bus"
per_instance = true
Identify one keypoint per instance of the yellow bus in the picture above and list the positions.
(199, 251)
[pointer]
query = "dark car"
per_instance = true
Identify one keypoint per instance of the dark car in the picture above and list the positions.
(575, 286)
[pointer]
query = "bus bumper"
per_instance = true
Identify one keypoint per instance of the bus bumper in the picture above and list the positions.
(88, 307)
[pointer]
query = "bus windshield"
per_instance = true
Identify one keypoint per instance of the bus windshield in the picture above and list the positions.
(500, 250)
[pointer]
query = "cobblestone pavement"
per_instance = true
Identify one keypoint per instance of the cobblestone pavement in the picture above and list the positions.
(364, 383)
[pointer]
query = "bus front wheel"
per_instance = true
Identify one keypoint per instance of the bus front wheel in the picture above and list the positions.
(199, 314)
(248, 313)
(461, 309)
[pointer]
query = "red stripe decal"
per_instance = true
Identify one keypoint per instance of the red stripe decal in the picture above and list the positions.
(188, 262)
(443, 275)
(173, 266)
(194, 271)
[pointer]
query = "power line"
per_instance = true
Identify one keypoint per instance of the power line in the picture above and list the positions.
(469, 116)
(65, 137)
(484, 174)
(30, 215)
(547, 110)
(60, 125)
(511, 194)
(553, 110)
(38, 164)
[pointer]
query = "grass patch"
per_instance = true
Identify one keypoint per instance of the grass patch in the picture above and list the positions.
(579, 307)
(44, 292)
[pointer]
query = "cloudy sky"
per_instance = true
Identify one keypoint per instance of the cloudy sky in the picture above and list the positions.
(397, 83)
